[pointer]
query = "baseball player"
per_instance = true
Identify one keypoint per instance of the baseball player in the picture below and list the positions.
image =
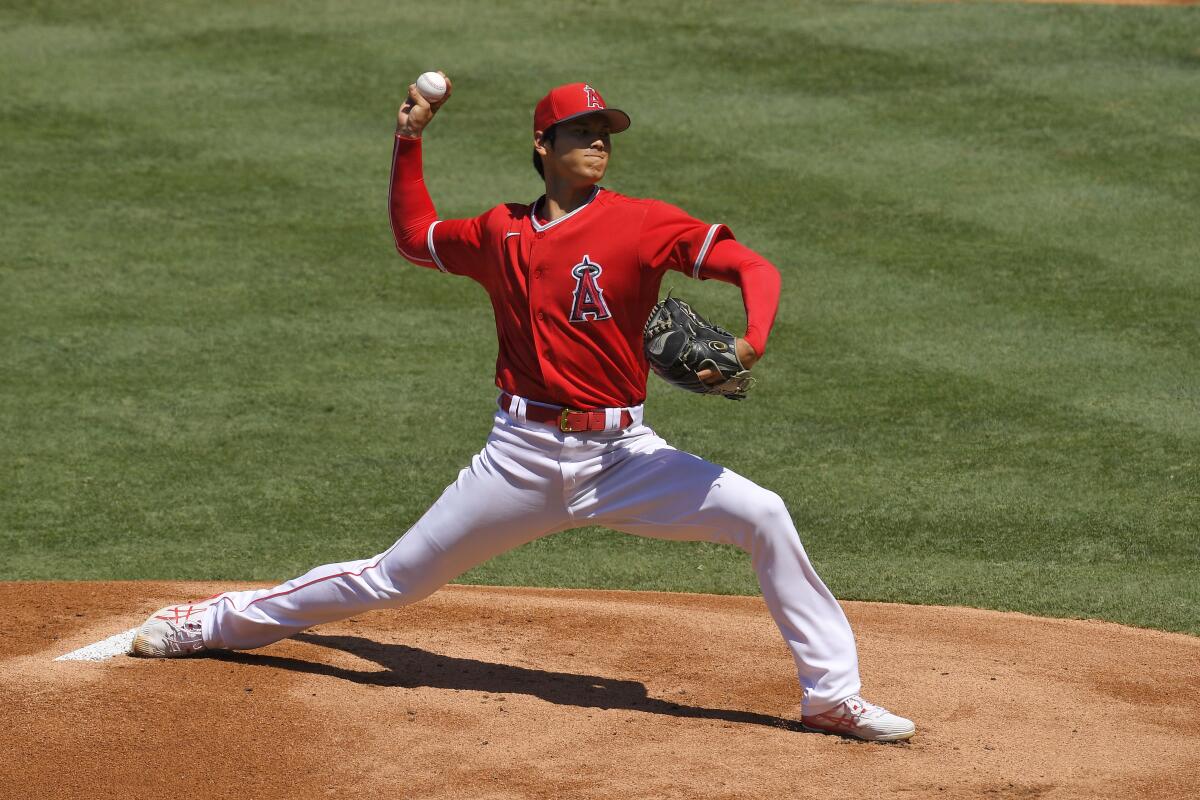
(572, 278)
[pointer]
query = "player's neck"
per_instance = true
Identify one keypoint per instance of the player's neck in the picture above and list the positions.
(562, 198)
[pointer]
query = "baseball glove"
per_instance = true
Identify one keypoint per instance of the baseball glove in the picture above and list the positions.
(679, 344)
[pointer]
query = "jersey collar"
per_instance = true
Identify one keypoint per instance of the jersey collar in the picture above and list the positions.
(539, 226)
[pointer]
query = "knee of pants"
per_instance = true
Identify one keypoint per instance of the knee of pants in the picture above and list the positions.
(416, 567)
(409, 588)
(773, 517)
(764, 518)
(401, 585)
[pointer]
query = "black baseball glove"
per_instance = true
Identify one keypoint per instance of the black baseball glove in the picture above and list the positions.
(680, 343)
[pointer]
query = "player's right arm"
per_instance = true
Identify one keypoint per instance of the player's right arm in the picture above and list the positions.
(423, 239)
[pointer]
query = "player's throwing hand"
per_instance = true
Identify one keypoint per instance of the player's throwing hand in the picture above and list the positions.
(416, 112)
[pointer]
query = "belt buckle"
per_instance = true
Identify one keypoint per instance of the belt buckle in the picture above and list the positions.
(564, 424)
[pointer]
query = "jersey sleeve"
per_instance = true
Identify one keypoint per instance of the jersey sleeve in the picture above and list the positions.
(673, 239)
(457, 245)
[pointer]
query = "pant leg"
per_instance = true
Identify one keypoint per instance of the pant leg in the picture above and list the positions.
(650, 489)
(504, 499)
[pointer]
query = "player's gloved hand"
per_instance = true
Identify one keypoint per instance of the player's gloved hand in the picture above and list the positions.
(416, 112)
(688, 351)
(745, 354)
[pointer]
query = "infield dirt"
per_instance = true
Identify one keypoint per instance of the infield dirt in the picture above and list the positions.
(536, 693)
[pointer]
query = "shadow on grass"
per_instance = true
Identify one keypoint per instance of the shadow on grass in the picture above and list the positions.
(412, 667)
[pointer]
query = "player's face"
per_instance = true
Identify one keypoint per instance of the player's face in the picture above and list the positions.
(580, 150)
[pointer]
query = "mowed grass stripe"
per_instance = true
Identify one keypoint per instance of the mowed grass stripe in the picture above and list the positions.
(902, 453)
(1109, 300)
(930, 443)
(1102, 375)
(1097, 591)
(1044, 316)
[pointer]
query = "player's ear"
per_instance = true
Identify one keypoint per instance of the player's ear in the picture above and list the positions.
(541, 145)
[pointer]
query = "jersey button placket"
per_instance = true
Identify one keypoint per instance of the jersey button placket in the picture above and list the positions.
(535, 301)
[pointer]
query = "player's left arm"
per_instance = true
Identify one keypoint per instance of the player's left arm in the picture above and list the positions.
(671, 238)
(732, 262)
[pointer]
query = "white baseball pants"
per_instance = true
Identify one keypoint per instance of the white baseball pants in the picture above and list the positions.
(531, 480)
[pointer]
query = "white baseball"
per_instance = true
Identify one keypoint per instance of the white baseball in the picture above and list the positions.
(432, 86)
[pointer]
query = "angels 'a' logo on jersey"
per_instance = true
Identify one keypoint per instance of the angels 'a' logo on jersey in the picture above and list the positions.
(593, 99)
(588, 300)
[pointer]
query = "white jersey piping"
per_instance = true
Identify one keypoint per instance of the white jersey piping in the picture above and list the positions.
(704, 250)
(429, 244)
(537, 226)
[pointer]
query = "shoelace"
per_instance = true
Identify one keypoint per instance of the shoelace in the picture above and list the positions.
(868, 710)
(184, 637)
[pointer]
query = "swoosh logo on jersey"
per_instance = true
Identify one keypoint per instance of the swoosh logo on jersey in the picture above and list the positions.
(518, 233)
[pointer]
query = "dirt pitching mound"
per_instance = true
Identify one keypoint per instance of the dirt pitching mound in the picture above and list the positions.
(531, 693)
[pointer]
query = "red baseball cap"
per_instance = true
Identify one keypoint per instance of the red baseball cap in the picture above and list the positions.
(575, 100)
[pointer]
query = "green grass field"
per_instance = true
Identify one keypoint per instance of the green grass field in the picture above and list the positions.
(983, 387)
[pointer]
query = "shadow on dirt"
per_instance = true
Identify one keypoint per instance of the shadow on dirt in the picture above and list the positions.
(411, 667)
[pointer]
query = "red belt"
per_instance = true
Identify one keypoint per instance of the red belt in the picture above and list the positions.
(567, 420)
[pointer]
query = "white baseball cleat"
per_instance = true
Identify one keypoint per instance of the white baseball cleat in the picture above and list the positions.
(172, 632)
(855, 717)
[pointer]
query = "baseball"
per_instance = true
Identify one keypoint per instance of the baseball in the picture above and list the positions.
(432, 86)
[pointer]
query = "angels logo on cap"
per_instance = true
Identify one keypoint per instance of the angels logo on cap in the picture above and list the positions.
(575, 100)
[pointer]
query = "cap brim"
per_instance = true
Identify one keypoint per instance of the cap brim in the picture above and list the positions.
(618, 120)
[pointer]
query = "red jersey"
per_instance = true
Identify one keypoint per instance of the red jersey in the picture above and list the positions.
(570, 296)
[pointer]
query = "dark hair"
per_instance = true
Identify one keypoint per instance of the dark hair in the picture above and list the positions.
(547, 137)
